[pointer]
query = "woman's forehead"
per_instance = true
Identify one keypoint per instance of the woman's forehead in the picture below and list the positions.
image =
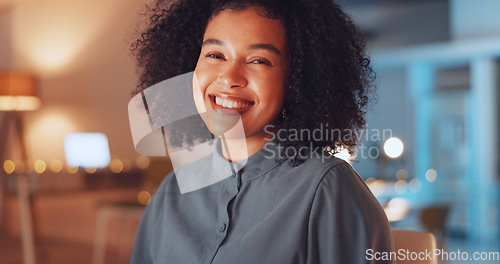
(246, 24)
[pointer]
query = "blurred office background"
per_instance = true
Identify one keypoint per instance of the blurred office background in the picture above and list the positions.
(429, 153)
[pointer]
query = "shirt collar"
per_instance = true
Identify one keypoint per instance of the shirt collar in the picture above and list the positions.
(256, 165)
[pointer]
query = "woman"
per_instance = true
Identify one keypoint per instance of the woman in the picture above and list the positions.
(279, 67)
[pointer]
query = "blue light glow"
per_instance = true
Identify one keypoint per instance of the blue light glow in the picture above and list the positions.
(86, 150)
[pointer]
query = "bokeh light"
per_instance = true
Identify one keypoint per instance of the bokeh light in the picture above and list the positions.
(142, 162)
(47, 131)
(415, 185)
(90, 170)
(377, 187)
(51, 34)
(143, 197)
(401, 187)
(56, 166)
(402, 174)
(397, 208)
(431, 175)
(116, 166)
(9, 166)
(40, 166)
(71, 170)
(393, 147)
(370, 180)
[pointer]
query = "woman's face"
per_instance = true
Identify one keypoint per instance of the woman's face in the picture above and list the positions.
(242, 70)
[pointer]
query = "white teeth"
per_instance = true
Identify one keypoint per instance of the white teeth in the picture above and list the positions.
(230, 104)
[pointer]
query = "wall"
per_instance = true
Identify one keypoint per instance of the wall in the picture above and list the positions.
(80, 52)
(5, 40)
(401, 23)
(472, 19)
(391, 114)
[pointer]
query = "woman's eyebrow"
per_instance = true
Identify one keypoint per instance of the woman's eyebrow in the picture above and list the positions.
(269, 47)
(212, 42)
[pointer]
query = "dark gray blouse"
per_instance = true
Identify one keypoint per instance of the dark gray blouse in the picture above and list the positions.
(267, 212)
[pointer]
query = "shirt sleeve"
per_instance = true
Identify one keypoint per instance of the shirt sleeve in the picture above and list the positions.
(346, 221)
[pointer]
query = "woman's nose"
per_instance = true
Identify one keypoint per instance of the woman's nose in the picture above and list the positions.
(233, 76)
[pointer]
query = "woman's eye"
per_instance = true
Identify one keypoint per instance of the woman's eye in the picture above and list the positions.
(261, 61)
(214, 56)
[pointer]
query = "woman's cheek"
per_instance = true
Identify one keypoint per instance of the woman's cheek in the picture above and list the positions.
(206, 75)
(198, 93)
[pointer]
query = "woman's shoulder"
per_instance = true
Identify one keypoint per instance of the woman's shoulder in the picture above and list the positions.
(331, 168)
(344, 209)
(336, 179)
(341, 171)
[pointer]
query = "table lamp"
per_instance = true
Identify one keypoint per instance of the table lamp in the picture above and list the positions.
(18, 92)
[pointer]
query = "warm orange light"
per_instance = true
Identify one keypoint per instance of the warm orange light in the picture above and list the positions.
(91, 170)
(142, 162)
(116, 166)
(50, 35)
(56, 165)
(48, 129)
(71, 170)
(143, 197)
(9, 166)
(18, 92)
(40, 166)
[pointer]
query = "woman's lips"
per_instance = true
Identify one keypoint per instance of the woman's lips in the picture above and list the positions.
(229, 104)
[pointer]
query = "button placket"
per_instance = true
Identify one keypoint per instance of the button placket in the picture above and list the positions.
(228, 194)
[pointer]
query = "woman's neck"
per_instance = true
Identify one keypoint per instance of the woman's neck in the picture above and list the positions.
(236, 150)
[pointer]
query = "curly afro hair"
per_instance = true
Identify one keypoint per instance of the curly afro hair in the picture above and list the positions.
(330, 77)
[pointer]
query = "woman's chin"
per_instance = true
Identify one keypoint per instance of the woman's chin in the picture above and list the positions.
(222, 124)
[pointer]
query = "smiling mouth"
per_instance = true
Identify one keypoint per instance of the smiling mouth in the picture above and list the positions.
(225, 102)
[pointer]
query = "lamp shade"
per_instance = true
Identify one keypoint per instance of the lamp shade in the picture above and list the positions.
(18, 92)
